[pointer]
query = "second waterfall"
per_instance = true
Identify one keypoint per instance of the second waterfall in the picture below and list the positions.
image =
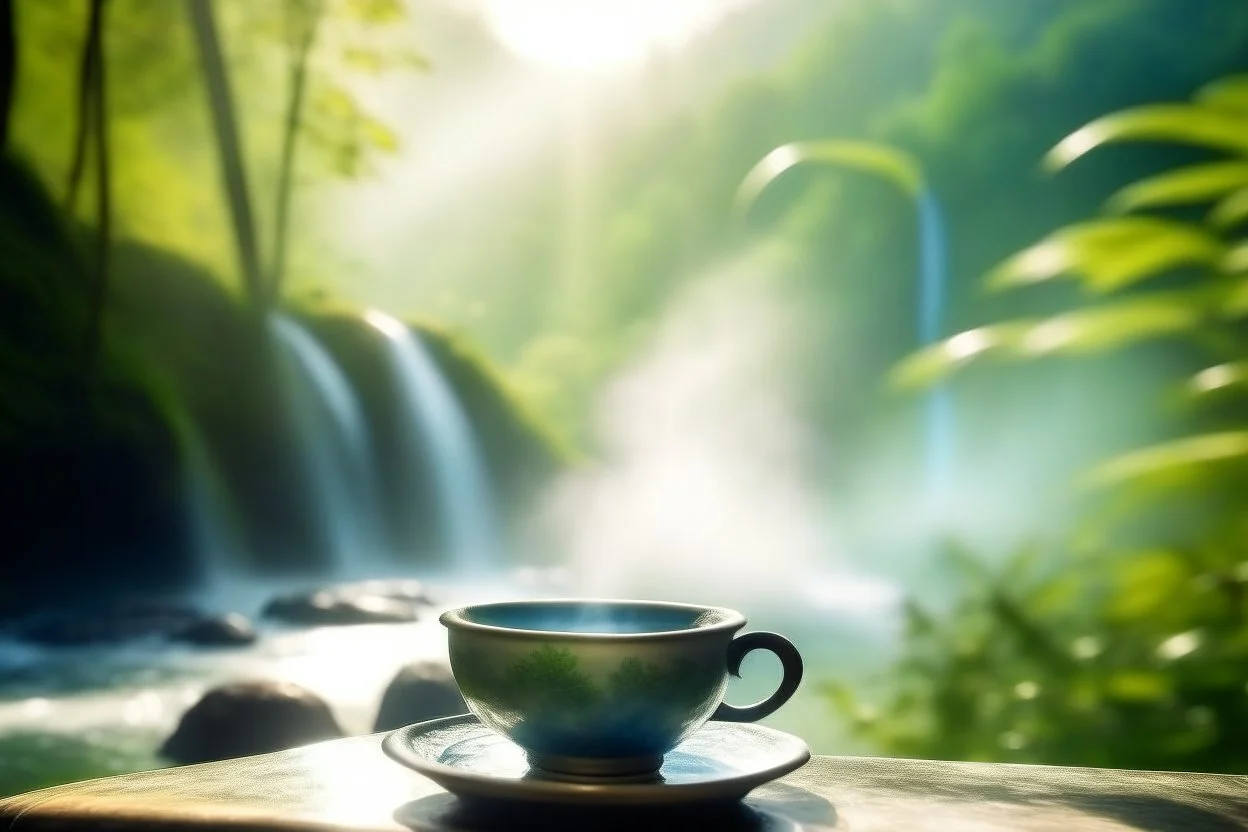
(441, 449)
(335, 448)
(436, 453)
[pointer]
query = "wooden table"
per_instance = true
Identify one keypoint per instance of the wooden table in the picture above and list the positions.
(350, 784)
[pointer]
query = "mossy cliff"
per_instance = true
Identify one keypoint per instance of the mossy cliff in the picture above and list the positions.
(94, 443)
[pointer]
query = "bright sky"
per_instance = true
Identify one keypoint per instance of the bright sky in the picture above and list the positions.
(583, 34)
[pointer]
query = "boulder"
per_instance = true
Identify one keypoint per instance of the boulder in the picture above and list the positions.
(397, 589)
(420, 691)
(245, 718)
(229, 630)
(326, 607)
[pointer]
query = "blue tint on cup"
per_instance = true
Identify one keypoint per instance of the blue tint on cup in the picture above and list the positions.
(594, 688)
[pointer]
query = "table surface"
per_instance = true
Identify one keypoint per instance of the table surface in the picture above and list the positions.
(349, 784)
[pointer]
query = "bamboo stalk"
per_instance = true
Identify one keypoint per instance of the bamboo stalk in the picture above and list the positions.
(233, 173)
(8, 68)
(87, 65)
(285, 177)
(103, 191)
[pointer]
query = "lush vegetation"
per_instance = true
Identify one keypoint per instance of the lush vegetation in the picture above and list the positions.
(134, 280)
(127, 349)
(1128, 648)
(976, 91)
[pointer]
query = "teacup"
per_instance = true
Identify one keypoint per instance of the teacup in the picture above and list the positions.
(593, 688)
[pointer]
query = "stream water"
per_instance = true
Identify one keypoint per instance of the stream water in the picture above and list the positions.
(86, 712)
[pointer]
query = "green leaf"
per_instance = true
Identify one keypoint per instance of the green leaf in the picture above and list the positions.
(336, 103)
(1237, 301)
(869, 157)
(346, 159)
(1111, 326)
(1171, 459)
(377, 11)
(1195, 184)
(1144, 584)
(1231, 211)
(414, 60)
(1111, 253)
(1236, 260)
(380, 136)
(1093, 329)
(1177, 123)
(1137, 686)
(1032, 638)
(932, 363)
(1230, 93)
(364, 60)
(1218, 379)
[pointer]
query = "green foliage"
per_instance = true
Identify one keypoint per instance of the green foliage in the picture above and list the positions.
(1130, 662)
(165, 181)
(1127, 655)
(1111, 254)
(881, 160)
(1195, 184)
(1114, 255)
(1093, 329)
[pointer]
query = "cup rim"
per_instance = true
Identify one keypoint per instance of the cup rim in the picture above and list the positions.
(730, 620)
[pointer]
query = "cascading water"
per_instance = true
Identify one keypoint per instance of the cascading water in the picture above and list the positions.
(212, 535)
(336, 449)
(446, 441)
(938, 406)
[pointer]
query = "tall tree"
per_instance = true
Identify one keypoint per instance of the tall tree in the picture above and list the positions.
(303, 19)
(88, 64)
(103, 186)
(225, 124)
(92, 128)
(8, 67)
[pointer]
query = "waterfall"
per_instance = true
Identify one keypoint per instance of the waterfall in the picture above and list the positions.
(443, 448)
(212, 535)
(335, 446)
(938, 405)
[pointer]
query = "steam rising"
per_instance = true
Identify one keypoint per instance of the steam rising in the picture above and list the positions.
(703, 489)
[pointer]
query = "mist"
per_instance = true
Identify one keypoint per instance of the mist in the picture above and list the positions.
(703, 483)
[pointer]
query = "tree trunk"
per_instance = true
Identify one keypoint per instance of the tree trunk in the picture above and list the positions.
(88, 64)
(8, 68)
(285, 177)
(103, 188)
(233, 173)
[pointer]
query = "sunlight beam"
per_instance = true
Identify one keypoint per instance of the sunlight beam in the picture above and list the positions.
(583, 35)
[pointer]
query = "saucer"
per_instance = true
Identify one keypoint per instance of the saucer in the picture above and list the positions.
(723, 761)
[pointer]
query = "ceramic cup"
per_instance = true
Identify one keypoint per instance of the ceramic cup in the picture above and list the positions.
(594, 688)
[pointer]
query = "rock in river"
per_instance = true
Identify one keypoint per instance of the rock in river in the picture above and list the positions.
(350, 604)
(245, 718)
(420, 691)
(229, 630)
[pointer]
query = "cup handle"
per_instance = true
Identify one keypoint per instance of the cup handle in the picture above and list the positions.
(790, 661)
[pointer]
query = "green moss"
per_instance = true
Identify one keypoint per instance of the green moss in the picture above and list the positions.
(184, 362)
(88, 461)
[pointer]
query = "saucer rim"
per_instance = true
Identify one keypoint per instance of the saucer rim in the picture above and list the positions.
(465, 783)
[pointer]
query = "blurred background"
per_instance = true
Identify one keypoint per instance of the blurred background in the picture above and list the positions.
(914, 329)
